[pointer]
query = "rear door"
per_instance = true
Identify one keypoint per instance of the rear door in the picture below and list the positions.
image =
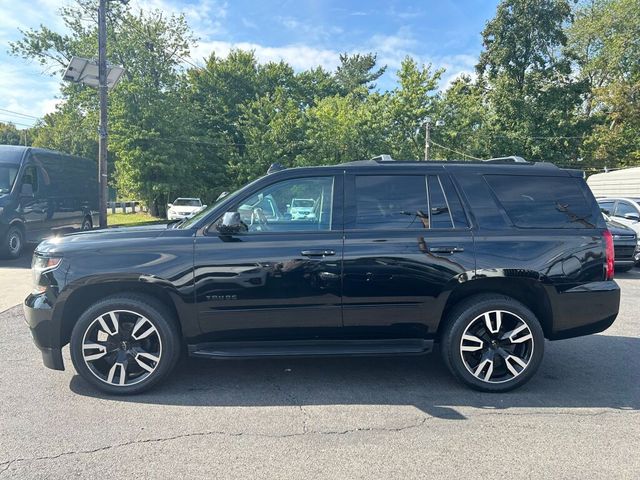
(407, 242)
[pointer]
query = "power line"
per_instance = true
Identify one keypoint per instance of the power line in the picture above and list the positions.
(455, 151)
(19, 114)
(16, 123)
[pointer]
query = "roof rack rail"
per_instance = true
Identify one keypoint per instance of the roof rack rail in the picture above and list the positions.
(383, 158)
(275, 167)
(509, 159)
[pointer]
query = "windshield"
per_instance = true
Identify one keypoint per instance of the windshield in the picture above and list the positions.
(8, 175)
(187, 202)
(302, 203)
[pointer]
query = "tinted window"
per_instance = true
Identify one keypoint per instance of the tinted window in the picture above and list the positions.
(543, 202)
(438, 206)
(30, 177)
(455, 205)
(273, 209)
(607, 206)
(390, 201)
(625, 208)
(7, 177)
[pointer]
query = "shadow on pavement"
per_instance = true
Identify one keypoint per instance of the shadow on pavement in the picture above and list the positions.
(23, 262)
(598, 371)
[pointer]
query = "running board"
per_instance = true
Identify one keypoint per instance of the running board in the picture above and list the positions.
(312, 348)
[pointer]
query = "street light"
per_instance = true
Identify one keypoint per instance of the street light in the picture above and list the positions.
(427, 139)
(103, 77)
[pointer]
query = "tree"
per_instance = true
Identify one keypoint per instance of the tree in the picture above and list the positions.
(532, 95)
(145, 111)
(10, 135)
(356, 71)
(407, 106)
(604, 41)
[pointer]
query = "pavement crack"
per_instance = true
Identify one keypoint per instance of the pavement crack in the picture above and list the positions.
(7, 464)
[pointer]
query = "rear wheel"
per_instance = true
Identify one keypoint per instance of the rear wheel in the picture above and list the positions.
(493, 343)
(125, 344)
(13, 243)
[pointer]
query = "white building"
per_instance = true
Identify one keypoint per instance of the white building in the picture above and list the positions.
(619, 183)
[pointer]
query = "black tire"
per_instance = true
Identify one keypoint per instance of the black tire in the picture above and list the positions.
(626, 268)
(163, 343)
(499, 357)
(12, 243)
(87, 224)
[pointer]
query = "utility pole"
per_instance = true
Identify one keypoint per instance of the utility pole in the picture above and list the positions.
(102, 129)
(427, 128)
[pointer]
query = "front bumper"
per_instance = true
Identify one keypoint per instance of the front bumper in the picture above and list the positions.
(585, 309)
(45, 332)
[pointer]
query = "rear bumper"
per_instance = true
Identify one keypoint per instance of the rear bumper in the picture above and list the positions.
(38, 313)
(583, 310)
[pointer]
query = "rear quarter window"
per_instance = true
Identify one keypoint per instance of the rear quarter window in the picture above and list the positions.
(543, 202)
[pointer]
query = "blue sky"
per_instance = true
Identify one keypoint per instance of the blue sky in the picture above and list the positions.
(304, 33)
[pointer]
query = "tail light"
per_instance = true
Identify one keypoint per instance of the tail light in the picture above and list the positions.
(609, 255)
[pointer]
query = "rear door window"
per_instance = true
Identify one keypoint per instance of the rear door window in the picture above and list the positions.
(543, 202)
(397, 202)
(390, 201)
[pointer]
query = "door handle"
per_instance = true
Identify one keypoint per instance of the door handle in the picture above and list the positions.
(445, 249)
(318, 253)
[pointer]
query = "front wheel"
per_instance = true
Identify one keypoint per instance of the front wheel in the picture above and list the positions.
(125, 344)
(493, 343)
(13, 243)
(87, 224)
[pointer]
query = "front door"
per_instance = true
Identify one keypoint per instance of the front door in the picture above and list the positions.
(280, 278)
(407, 241)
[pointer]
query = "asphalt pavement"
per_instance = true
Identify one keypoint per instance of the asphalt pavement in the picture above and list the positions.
(402, 417)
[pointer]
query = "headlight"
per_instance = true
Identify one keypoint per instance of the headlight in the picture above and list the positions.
(40, 265)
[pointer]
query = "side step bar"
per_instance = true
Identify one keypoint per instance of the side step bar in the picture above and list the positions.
(312, 348)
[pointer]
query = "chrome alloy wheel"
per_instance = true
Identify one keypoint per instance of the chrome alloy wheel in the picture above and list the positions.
(121, 347)
(497, 346)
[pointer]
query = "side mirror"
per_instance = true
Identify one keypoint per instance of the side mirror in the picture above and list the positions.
(26, 190)
(632, 216)
(169, 205)
(231, 224)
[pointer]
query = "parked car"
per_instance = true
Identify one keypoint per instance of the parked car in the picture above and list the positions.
(182, 208)
(302, 208)
(624, 210)
(42, 193)
(486, 258)
(625, 243)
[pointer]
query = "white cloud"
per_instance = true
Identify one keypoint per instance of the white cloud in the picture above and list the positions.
(205, 17)
(300, 57)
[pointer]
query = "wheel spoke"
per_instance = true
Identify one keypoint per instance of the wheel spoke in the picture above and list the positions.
(522, 330)
(119, 371)
(471, 343)
(101, 351)
(493, 328)
(511, 361)
(485, 366)
(114, 326)
(142, 329)
(147, 356)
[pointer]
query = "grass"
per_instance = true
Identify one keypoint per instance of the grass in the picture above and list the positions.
(132, 219)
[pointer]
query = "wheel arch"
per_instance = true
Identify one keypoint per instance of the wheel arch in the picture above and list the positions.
(527, 291)
(83, 297)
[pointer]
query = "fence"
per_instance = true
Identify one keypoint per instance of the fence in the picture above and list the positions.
(126, 207)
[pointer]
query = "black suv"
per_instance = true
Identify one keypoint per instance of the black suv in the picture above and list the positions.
(486, 258)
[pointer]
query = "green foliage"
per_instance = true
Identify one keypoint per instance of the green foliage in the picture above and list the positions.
(10, 135)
